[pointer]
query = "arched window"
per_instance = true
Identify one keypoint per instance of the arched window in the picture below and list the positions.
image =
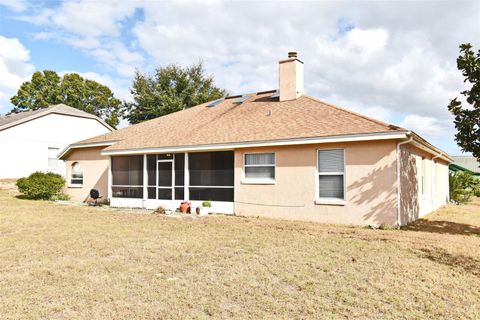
(76, 176)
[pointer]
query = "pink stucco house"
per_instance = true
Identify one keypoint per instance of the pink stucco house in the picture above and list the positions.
(278, 153)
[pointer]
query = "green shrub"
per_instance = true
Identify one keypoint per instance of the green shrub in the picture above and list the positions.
(462, 186)
(60, 197)
(477, 192)
(41, 185)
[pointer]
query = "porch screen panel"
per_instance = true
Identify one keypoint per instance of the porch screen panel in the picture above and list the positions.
(127, 177)
(179, 169)
(211, 176)
(151, 174)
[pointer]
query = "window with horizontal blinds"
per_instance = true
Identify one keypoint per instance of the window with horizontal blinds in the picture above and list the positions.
(331, 174)
(331, 186)
(260, 159)
(330, 161)
(259, 166)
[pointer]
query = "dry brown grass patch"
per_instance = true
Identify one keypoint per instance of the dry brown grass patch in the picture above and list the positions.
(66, 262)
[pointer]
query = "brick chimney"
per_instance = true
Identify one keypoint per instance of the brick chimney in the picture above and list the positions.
(290, 77)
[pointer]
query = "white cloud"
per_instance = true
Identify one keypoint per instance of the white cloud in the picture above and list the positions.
(384, 59)
(15, 68)
(15, 5)
(427, 126)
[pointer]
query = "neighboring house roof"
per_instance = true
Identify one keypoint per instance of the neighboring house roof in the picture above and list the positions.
(457, 168)
(467, 162)
(259, 118)
(14, 119)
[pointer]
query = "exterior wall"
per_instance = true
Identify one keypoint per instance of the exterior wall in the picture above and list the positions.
(370, 180)
(424, 182)
(95, 173)
(24, 148)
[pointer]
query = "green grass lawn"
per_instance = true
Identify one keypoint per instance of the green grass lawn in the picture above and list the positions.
(69, 262)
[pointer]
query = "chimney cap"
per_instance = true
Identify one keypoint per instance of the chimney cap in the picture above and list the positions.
(292, 54)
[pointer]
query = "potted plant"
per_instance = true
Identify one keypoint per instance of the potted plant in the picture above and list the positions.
(205, 208)
(184, 206)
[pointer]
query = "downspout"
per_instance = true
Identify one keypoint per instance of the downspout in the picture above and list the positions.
(434, 174)
(399, 186)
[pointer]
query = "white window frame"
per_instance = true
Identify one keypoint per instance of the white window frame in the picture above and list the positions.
(246, 180)
(330, 201)
(56, 159)
(70, 184)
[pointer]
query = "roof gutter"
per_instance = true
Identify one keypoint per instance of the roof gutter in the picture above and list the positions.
(428, 147)
(399, 185)
(65, 151)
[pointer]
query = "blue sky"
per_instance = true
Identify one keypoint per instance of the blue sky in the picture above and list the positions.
(394, 61)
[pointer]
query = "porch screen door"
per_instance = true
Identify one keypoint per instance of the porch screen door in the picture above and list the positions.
(165, 179)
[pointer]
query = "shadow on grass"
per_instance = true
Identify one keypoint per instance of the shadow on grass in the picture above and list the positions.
(443, 227)
(468, 264)
(23, 197)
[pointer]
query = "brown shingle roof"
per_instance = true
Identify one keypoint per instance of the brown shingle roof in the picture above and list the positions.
(260, 118)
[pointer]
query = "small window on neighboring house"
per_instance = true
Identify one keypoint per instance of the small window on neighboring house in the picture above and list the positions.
(331, 172)
(52, 158)
(259, 167)
(76, 176)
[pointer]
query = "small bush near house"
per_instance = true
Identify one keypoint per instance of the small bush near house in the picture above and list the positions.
(40, 185)
(60, 197)
(463, 186)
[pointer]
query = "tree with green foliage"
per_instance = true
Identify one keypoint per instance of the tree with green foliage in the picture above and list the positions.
(48, 88)
(467, 119)
(463, 186)
(169, 89)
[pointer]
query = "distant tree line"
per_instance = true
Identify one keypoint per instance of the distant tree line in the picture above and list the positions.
(168, 89)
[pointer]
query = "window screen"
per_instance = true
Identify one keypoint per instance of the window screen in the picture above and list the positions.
(211, 175)
(127, 171)
(127, 176)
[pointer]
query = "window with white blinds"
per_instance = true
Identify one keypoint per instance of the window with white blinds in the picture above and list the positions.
(52, 158)
(331, 172)
(259, 167)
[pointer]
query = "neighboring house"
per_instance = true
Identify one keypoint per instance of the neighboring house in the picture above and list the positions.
(466, 163)
(276, 153)
(31, 140)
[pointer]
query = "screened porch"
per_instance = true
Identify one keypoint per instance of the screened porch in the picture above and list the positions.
(153, 180)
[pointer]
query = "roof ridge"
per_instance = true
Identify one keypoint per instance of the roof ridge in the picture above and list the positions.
(389, 125)
(61, 108)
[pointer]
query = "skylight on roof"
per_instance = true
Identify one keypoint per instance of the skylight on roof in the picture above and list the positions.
(214, 103)
(242, 99)
(276, 94)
